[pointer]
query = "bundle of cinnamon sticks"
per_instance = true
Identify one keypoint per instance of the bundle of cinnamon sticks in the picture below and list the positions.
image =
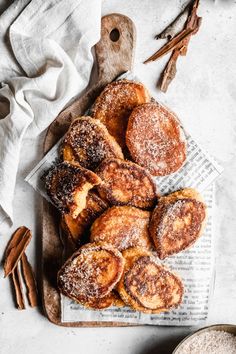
(14, 258)
(177, 40)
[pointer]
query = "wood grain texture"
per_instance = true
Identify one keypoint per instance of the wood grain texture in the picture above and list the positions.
(113, 59)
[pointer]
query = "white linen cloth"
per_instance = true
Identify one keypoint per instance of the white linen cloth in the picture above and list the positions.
(46, 60)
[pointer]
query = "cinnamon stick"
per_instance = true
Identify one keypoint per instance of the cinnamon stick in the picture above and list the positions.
(169, 71)
(16, 278)
(182, 38)
(176, 25)
(193, 21)
(16, 248)
(175, 42)
(30, 281)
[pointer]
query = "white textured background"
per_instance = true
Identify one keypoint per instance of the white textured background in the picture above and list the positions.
(204, 96)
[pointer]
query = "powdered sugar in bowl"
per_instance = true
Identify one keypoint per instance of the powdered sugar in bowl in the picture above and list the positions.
(216, 339)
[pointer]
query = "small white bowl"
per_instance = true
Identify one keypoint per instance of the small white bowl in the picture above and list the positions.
(219, 327)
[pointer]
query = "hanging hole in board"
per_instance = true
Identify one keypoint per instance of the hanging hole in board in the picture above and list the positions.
(114, 35)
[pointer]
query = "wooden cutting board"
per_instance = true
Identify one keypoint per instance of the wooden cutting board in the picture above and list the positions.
(114, 54)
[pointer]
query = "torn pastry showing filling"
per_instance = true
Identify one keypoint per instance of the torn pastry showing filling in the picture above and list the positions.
(68, 184)
(76, 230)
(88, 142)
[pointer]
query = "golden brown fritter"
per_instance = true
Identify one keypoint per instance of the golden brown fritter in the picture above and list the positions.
(123, 227)
(115, 104)
(126, 183)
(88, 143)
(155, 139)
(177, 221)
(146, 285)
(68, 184)
(91, 273)
(76, 229)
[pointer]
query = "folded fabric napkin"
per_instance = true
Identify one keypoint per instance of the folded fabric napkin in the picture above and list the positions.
(46, 60)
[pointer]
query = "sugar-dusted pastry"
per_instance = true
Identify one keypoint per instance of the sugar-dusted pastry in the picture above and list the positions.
(114, 105)
(112, 299)
(123, 227)
(88, 143)
(177, 221)
(68, 185)
(155, 139)
(76, 229)
(126, 183)
(91, 273)
(148, 286)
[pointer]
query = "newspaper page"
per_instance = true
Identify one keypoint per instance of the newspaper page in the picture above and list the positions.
(195, 265)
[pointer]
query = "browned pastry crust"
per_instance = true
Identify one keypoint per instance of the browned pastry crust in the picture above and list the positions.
(115, 104)
(177, 221)
(126, 183)
(91, 273)
(155, 139)
(146, 285)
(68, 184)
(75, 229)
(88, 143)
(123, 227)
(117, 302)
(112, 299)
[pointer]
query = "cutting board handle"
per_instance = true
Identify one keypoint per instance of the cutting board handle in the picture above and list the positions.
(115, 50)
(114, 56)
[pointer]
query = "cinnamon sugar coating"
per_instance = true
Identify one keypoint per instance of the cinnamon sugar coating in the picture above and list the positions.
(68, 184)
(123, 227)
(126, 183)
(155, 139)
(177, 222)
(114, 105)
(148, 286)
(88, 143)
(91, 273)
(75, 230)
